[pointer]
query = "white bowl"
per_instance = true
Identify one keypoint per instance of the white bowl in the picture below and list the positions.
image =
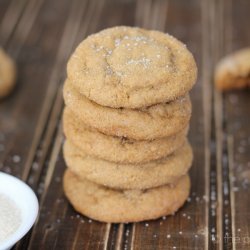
(25, 199)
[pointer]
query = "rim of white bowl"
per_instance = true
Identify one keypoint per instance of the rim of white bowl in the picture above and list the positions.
(25, 192)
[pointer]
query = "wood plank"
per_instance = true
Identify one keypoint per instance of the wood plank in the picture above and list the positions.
(220, 201)
(224, 212)
(226, 235)
(207, 109)
(10, 18)
(151, 14)
(4, 5)
(237, 117)
(217, 231)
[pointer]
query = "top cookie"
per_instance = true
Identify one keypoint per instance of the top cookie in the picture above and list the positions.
(132, 68)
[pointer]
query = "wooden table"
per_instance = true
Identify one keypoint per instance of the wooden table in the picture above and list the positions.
(40, 35)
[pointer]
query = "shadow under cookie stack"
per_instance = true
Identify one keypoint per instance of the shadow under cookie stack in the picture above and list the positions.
(126, 122)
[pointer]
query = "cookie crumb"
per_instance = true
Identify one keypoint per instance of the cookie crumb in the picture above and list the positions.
(16, 158)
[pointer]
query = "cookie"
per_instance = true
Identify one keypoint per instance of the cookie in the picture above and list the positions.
(7, 74)
(129, 176)
(112, 205)
(118, 149)
(157, 121)
(131, 68)
(233, 71)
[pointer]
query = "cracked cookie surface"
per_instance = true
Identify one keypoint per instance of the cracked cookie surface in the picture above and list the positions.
(131, 68)
(118, 149)
(160, 120)
(112, 205)
(156, 173)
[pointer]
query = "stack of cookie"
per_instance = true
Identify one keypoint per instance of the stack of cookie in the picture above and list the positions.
(126, 120)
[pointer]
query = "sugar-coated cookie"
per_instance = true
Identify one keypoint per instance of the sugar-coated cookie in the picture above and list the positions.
(153, 122)
(233, 71)
(112, 205)
(131, 68)
(129, 176)
(118, 149)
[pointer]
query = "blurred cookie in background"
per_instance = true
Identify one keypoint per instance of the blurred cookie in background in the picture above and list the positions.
(233, 71)
(7, 74)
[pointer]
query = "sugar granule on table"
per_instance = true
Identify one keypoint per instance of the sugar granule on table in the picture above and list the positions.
(10, 217)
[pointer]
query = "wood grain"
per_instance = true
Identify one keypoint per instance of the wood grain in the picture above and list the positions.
(40, 35)
(9, 18)
(237, 117)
